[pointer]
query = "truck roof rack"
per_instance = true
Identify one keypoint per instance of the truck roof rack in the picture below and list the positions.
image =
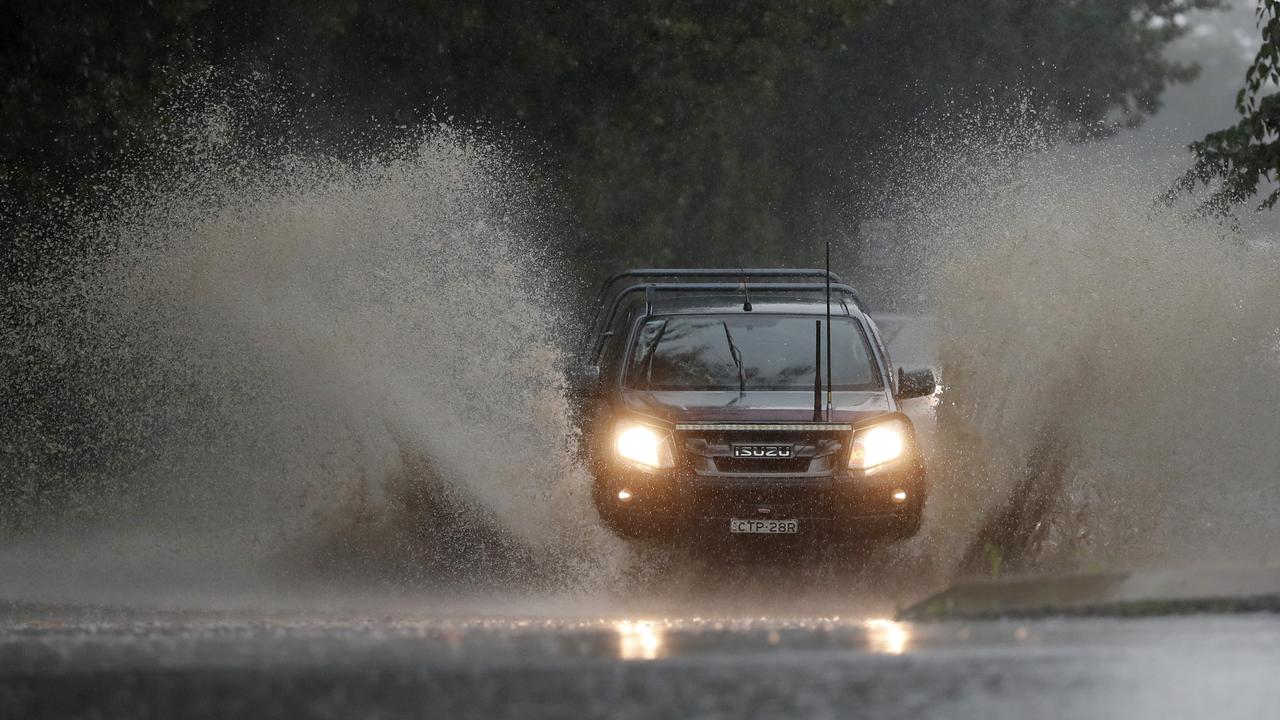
(713, 274)
(605, 314)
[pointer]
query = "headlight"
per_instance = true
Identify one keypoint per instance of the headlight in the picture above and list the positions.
(878, 445)
(643, 445)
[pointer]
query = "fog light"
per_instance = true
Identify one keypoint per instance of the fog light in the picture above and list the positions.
(624, 495)
(899, 496)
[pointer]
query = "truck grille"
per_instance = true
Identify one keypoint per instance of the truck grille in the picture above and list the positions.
(762, 465)
(707, 448)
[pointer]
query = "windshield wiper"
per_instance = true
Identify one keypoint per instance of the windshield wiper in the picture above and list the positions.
(652, 351)
(736, 354)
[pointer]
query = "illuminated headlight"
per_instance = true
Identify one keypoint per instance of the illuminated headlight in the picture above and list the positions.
(878, 445)
(643, 445)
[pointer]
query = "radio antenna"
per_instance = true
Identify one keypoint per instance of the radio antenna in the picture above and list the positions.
(817, 370)
(829, 368)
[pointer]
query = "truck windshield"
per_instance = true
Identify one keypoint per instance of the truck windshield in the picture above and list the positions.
(741, 352)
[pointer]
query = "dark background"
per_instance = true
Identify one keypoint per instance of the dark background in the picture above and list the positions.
(672, 131)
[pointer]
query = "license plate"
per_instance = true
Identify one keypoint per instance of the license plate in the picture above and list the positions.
(768, 527)
(762, 451)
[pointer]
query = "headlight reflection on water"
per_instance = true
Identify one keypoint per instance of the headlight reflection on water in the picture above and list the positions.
(887, 637)
(640, 640)
(647, 639)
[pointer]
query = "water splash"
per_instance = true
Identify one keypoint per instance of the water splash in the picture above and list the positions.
(1110, 366)
(277, 353)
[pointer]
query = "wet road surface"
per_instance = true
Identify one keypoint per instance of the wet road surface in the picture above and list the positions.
(122, 664)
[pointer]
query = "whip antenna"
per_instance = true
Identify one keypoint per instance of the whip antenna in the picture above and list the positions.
(817, 370)
(830, 371)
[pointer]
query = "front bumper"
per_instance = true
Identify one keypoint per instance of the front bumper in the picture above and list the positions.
(843, 502)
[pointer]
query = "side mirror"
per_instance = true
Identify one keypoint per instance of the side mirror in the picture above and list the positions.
(916, 383)
(583, 380)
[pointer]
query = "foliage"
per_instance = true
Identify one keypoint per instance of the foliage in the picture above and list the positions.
(1241, 157)
(678, 131)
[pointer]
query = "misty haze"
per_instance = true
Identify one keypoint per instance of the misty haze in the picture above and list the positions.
(662, 359)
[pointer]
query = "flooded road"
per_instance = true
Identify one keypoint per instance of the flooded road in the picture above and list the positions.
(78, 662)
(299, 444)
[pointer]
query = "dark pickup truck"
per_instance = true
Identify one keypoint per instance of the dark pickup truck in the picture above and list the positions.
(762, 402)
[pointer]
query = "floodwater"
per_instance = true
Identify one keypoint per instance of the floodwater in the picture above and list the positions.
(298, 444)
(142, 665)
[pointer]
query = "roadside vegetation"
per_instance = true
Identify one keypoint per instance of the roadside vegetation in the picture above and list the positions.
(1242, 161)
(675, 131)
